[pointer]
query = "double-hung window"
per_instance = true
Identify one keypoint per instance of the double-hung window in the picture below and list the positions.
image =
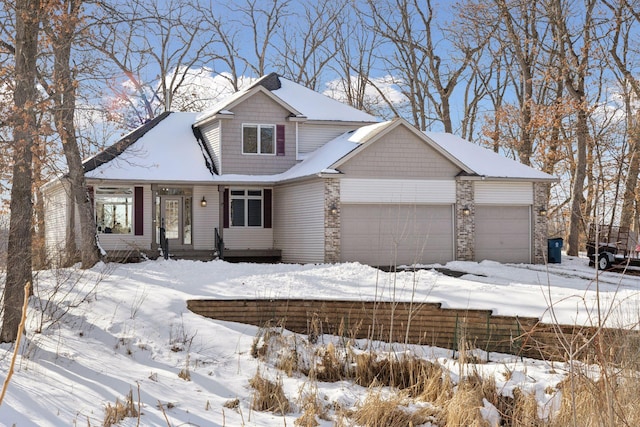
(246, 208)
(258, 139)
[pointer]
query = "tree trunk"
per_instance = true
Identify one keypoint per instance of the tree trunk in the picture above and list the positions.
(631, 183)
(65, 100)
(25, 134)
(577, 196)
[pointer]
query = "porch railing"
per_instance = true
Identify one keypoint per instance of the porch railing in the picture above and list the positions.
(164, 243)
(219, 244)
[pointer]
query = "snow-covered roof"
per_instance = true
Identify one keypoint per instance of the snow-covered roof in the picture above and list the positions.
(305, 102)
(484, 162)
(167, 152)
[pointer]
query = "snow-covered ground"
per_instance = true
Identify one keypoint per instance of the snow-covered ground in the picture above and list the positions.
(94, 336)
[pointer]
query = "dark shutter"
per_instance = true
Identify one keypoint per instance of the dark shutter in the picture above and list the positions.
(266, 207)
(138, 205)
(225, 208)
(280, 140)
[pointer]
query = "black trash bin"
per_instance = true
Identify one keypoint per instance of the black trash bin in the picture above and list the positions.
(554, 247)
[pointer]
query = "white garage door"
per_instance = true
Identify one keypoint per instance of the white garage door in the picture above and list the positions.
(389, 234)
(503, 233)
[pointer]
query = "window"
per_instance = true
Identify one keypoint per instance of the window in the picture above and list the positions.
(114, 210)
(246, 208)
(258, 139)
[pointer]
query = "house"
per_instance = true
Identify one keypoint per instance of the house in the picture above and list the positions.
(278, 170)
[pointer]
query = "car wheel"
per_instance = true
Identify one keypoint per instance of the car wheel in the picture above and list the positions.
(603, 262)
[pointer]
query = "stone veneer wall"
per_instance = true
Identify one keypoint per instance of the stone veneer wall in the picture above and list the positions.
(331, 220)
(540, 231)
(465, 224)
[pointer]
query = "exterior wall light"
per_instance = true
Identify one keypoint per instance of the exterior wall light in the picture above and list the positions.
(203, 202)
(466, 211)
(543, 211)
(333, 209)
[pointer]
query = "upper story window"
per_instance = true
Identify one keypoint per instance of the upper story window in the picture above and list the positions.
(258, 139)
(114, 209)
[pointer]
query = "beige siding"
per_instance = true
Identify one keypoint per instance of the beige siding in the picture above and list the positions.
(259, 109)
(504, 193)
(124, 242)
(388, 235)
(503, 233)
(205, 219)
(299, 221)
(312, 136)
(248, 238)
(353, 190)
(399, 154)
(212, 135)
(56, 207)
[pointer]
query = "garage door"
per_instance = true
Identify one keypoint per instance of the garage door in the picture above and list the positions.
(503, 233)
(386, 234)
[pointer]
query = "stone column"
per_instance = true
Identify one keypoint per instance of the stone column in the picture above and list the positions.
(465, 221)
(540, 231)
(332, 220)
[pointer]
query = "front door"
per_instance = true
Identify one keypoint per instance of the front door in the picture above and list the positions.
(174, 214)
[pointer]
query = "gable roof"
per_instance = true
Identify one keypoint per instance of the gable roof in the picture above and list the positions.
(120, 146)
(484, 162)
(165, 150)
(300, 101)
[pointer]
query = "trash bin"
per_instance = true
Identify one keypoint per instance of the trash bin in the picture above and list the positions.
(554, 247)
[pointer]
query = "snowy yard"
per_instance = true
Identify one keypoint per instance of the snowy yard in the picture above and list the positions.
(94, 336)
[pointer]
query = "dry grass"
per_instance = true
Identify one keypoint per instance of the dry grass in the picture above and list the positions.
(119, 411)
(377, 411)
(268, 395)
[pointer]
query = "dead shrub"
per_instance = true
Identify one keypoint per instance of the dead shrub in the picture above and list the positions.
(377, 411)
(331, 367)
(119, 411)
(268, 395)
(463, 409)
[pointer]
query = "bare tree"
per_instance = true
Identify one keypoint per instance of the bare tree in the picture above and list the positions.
(25, 135)
(425, 78)
(153, 47)
(626, 17)
(575, 61)
(61, 26)
(308, 43)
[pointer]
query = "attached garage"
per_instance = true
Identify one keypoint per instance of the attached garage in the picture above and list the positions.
(503, 233)
(385, 235)
(403, 222)
(503, 223)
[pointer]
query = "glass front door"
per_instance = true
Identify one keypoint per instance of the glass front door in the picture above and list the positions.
(174, 213)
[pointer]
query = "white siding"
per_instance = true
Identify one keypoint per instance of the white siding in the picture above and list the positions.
(397, 191)
(56, 207)
(503, 193)
(124, 242)
(313, 136)
(299, 221)
(205, 219)
(212, 136)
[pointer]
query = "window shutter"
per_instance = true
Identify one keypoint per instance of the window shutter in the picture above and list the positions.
(225, 209)
(138, 205)
(266, 207)
(280, 140)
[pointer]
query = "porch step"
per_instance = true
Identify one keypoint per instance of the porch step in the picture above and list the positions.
(252, 255)
(192, 255)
